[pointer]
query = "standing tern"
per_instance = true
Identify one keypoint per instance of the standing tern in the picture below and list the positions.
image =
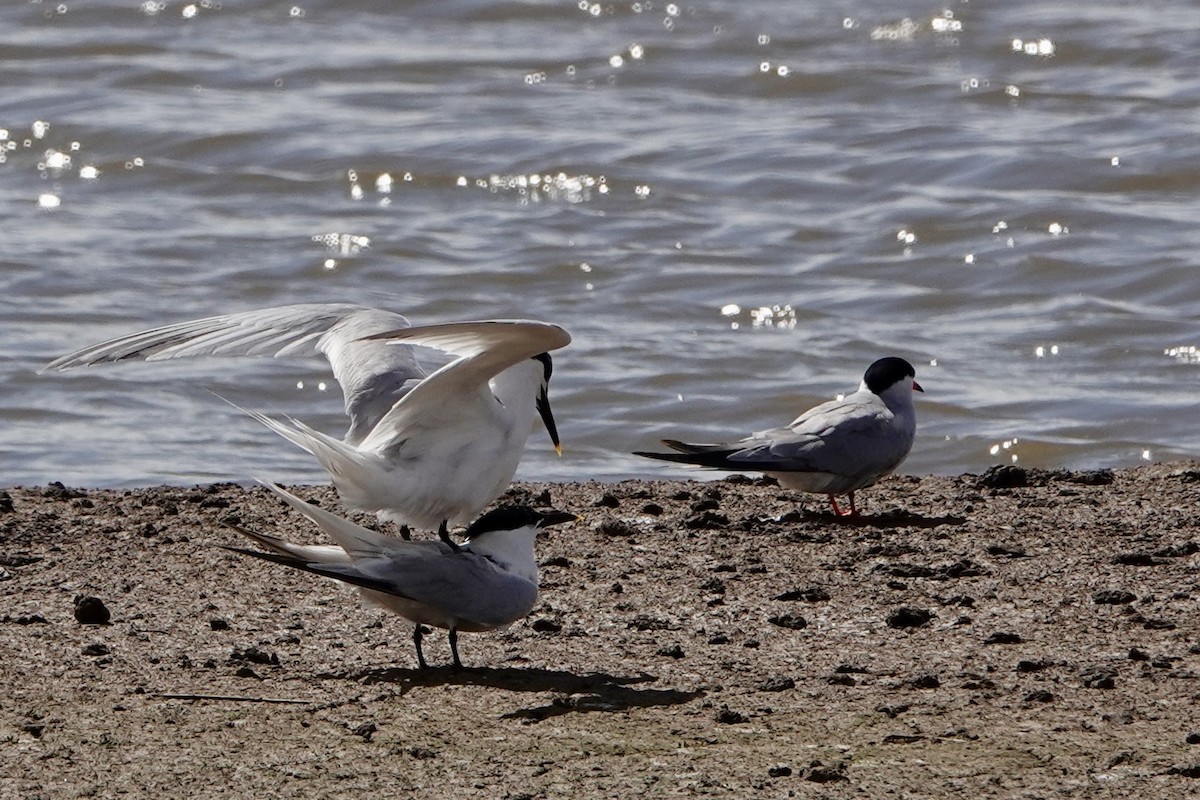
(422, 450)
(835, 448)
(488, 582)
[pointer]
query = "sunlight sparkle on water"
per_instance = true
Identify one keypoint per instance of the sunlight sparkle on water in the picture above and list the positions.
(1185, 354)
(1005, 446)
(1057, 229)
(1041, 351)
(1041, 47)
(48, 200)
(346, 244)
(904, 30)
(88, 172)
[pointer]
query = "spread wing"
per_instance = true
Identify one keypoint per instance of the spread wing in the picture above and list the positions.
(373, 375)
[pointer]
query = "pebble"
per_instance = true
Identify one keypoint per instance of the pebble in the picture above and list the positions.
(91, 611)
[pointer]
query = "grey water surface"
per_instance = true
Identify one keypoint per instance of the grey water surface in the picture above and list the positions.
(733, 206)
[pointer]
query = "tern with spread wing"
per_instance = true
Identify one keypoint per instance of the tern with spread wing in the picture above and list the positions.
(422, 450)
(835, 448)
(487, 582)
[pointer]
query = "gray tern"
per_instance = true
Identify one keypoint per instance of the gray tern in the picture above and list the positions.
(426, 450)
(487, 582)
(834, 448)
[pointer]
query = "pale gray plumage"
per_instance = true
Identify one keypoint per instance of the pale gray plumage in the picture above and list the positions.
(488, 582)
(834, 448)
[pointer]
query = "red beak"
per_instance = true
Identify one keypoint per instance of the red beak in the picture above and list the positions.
(917, 387)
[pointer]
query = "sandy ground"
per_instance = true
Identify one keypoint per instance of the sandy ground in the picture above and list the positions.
(1008, 635)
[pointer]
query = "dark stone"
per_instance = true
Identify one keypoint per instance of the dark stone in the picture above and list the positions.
(726, 716)
(366, 730)
(907, 617)
(780, 771)
(1113, 597)
(1193, 738)
(792, 621)
(252, 655)
(1001, 637)
(924, 682)
(557, 561)
(95, 649)
(544, 625)
(218, 624)
(778, 683)
(642, 622)
(607, 500)
(653, 509)
(1185, 770)
(1098, 678)
(6, 503)
(1039, 696)
(1032, 666)
(91, 611)
(670, 651)
(1004, 476)
(706, 520)
(808, 594)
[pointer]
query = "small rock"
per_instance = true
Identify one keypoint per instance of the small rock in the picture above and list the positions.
(544, 625)
(1098, 678)
(808, 594)
(892, 710)
(557, 561)
(6, 503)
(779, 771)
(643, 622)
(1185, 770)
(718, 638)
(95, 649)
(706, 521)
(366, 730)
(1039, 696)
(791, 621)
(820, 773)
(1032, 666)
(607, 500)
(616, 527)
(652, 509)
(1004, 476)
(218, 624)
(671, 651)
(907, 617)
(924, 682)
(1001, 637)
(1193, 738)
(725, 716)
(252, 655)
(246, 672)
(713, 585)
(91, 611)
(777, 683)
(1113, 597)
(421, 753)
(1138, 654)
(34, 729)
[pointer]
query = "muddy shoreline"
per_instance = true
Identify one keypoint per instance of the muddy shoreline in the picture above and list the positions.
(1032, 634)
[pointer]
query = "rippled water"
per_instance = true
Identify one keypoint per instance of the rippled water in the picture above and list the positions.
(733, 206)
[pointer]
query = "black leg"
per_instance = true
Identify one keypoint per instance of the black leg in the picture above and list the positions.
(405, 533)
(454, 648)
(444, 535)
(418, 632)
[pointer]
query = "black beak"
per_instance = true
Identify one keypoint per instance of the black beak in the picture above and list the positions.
(555, 517)
(543, 407)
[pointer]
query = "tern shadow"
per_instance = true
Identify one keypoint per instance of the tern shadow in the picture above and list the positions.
(593, 691)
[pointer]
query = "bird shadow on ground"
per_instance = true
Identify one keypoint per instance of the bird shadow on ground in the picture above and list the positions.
(594, 691)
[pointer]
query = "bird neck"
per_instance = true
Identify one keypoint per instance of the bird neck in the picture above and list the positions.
(510, 550)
